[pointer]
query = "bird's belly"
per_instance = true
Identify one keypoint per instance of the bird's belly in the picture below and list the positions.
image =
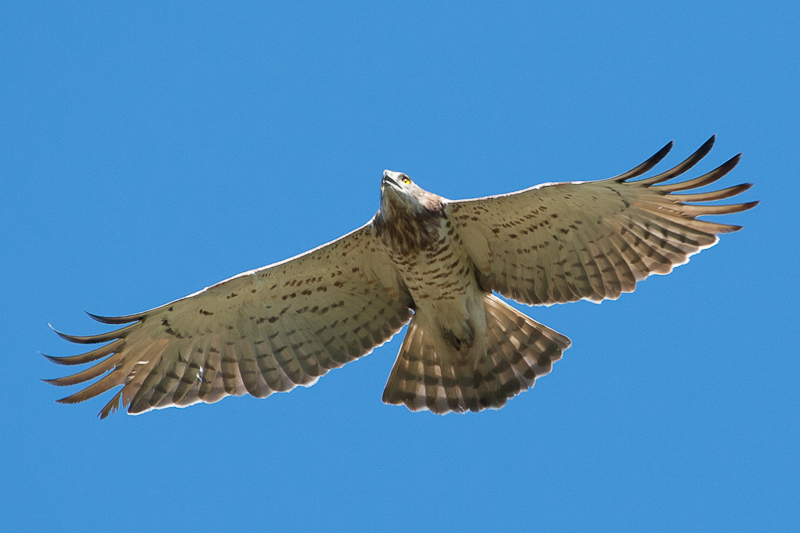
(449, 302)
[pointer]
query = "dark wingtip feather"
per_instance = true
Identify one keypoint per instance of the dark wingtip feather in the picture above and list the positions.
(712, 196)
(78, 339)
(111, 407)
(647, 165)
(715, 209)
(114, 319)
(63, 335)
(68, 400)
(87, 357)
(705, 148)
(87, 374)
(52, 358)
(731, 163)
(69, 360)
(682, 167)
(701, 181)
(53, 381)
(94, 339)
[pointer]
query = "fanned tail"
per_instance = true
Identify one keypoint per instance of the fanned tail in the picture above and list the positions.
(519, 350)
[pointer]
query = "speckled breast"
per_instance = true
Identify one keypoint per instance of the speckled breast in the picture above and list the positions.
(433, 263)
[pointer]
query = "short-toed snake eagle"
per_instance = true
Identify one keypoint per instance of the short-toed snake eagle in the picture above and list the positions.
(423, 258)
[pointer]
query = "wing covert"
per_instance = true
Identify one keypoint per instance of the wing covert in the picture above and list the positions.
(562, 242)
(263, 331)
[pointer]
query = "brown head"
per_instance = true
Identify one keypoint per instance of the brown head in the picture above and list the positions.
(408, 219)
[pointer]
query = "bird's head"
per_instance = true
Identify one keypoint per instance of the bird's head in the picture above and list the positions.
(401, 196)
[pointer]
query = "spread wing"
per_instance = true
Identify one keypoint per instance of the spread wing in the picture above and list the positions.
(262, 331)
(562, 242)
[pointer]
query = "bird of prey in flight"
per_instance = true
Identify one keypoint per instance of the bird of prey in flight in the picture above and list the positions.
(425, 259)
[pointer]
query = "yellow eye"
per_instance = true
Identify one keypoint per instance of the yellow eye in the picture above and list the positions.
(405, 180)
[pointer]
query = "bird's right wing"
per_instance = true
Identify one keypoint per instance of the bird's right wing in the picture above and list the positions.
(262, 331)
(562, 242)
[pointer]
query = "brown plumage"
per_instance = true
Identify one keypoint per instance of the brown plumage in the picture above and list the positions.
(424, 258)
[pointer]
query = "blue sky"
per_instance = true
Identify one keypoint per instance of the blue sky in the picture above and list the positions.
(149, 151)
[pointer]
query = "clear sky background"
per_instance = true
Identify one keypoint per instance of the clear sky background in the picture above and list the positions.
(149, 150)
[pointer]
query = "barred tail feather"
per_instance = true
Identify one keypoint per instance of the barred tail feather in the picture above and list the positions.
(519, 350)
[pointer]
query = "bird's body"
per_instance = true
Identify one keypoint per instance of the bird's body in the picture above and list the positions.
(422, 258)
(450, 361)
(436, 270)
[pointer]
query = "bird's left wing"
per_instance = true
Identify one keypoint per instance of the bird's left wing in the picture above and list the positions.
(262, 331)
(563, 242)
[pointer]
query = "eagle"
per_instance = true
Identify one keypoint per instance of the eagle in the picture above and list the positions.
(436, 264)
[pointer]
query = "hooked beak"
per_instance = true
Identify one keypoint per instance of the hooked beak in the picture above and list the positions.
(386, 179)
